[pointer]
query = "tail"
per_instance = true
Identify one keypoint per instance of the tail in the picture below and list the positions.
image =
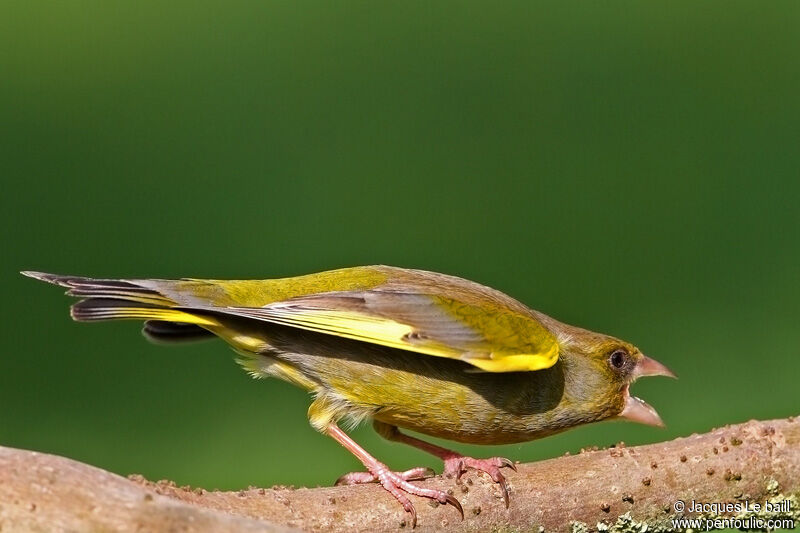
(116, 299)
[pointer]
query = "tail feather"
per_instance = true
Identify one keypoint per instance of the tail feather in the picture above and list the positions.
(115, 299)
(130, 296)
(93, 309)
(93, 288)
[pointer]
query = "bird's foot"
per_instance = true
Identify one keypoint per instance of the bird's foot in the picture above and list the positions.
(455, 465)
(397, 483)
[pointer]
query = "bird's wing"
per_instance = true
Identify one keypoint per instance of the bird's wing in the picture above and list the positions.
(491, 339)
(413, 310)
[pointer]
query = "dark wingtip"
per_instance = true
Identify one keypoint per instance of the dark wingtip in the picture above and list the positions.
(44, 276)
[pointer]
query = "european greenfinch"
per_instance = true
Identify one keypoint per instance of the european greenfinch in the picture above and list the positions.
(409, 349)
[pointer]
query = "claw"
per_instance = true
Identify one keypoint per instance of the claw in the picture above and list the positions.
(507, 462)
(498, 478)
(503, 489)
(413, 516)
(455, 503)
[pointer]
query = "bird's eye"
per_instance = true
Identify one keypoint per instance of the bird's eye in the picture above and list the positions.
(618, 358)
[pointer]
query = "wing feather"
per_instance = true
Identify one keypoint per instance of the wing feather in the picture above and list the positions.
(497, 342)
(414, 310)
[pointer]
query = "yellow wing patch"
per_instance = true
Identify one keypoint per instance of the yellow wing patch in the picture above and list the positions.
(519, 362)
(351, 325)
(393, 334)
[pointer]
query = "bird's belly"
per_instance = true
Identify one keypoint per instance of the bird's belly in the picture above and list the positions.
(443, 401)
(435, 396)
(457, 423)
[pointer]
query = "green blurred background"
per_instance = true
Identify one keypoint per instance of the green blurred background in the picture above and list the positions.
(630, 167)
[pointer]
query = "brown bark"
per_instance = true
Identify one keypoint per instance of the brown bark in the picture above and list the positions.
(621, 487)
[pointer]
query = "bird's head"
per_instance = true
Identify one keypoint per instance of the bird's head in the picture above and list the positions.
(599, 370)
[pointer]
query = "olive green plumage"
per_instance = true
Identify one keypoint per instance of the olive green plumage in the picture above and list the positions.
(407, 348)
(433, 353)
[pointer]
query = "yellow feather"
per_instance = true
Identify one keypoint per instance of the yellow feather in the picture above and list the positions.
(169, 315)
(518, 363)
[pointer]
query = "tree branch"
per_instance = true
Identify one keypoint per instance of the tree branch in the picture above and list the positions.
(617, 488)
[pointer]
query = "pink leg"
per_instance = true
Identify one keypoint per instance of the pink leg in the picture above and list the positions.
(455, 464)
(391, 481)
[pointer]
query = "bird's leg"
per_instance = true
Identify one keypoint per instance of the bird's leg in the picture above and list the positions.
(455, 464)
(395, 483)
(323, 415)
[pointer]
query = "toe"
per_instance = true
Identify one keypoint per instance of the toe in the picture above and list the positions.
(356, 478)
(416, 474)
(394, 484)
(492, 466)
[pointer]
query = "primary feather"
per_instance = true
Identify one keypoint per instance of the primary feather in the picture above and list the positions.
(418, 311)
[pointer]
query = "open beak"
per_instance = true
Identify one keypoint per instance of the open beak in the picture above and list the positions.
(637, 410)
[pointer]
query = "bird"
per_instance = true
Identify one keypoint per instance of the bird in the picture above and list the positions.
(407, 349)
